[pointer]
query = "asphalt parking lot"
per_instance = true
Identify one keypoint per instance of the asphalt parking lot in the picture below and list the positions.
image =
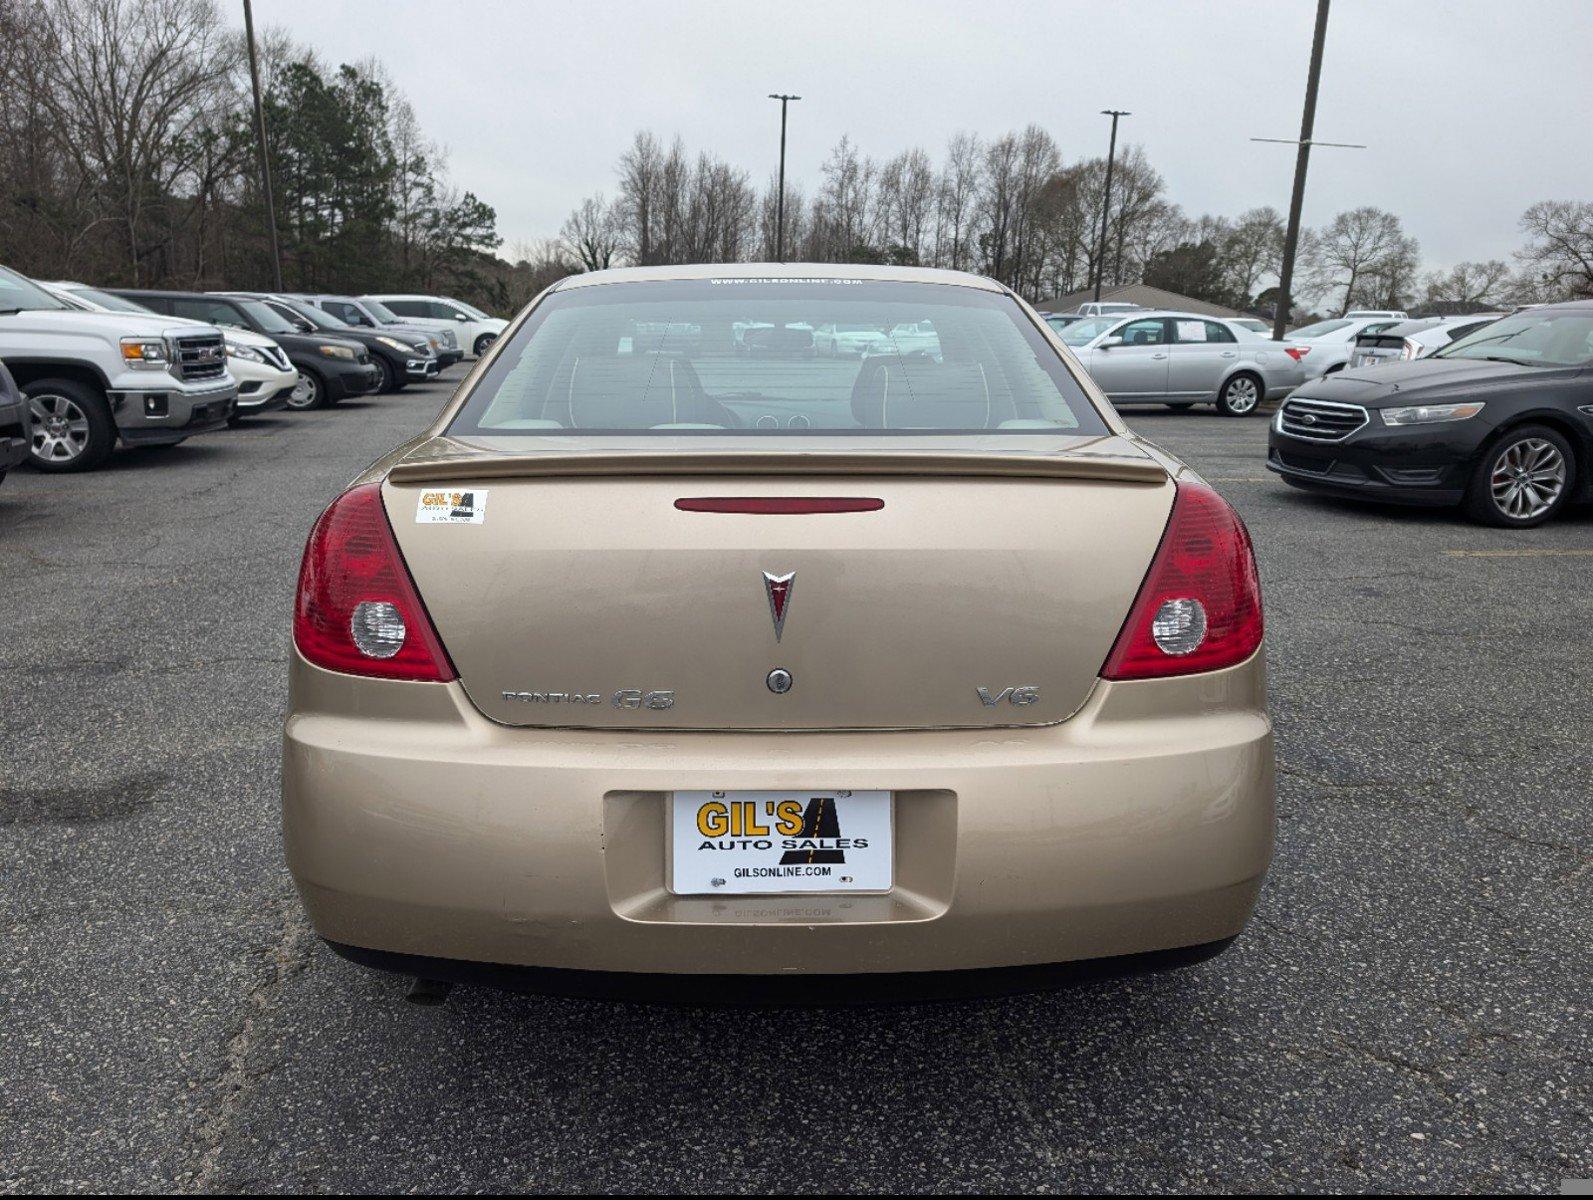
(1410, 1009)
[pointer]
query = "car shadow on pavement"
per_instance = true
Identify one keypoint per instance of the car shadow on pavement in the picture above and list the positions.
(1412, 515)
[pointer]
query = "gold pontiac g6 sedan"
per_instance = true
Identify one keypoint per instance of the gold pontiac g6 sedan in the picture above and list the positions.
(674, 655)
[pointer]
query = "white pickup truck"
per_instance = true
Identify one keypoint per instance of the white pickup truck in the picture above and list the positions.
(92, 379)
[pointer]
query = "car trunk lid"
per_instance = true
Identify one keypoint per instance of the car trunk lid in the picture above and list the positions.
(985, 588)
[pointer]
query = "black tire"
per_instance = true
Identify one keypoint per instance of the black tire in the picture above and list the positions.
(1242, 394)
(389, 380)
(89, 437)
(1507, 457)
(316, 398)
(484, 343)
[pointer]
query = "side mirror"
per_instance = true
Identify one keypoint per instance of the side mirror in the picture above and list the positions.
(461, 317)
(1109, 343)
(303, 326)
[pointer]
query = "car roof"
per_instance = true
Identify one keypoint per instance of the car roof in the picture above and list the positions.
(756, 271)
(170, 292)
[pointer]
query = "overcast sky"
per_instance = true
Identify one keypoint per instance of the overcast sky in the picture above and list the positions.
(1473, 109)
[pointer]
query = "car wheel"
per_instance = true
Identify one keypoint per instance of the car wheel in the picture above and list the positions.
(72, 426)
(1240, 396)
(484, 342)
(310, 392)
(1523, 479)
(389, 378)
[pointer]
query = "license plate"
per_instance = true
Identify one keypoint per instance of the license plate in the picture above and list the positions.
(737, 843)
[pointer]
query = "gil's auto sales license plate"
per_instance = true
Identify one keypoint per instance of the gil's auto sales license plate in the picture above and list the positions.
(727, 843)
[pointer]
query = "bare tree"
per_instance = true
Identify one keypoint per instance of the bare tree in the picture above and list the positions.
(1557, 261)
(1252, 251)
(591, 234)
(956, 200)
(1362, 255)
(844, 208)
(133, 86)
(1469, 283)
(906, 202)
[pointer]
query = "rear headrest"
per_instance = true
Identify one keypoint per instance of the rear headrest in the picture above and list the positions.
(630, 391)
(894, 393)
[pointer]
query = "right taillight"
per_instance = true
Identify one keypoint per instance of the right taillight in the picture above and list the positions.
(1199, 608)
(357, 609)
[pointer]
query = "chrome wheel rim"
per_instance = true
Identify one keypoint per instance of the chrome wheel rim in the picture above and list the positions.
(1527, 478)
(60, 428)
(1243, 394)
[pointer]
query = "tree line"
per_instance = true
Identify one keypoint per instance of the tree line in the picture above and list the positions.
(1016, 209)
(128, 156)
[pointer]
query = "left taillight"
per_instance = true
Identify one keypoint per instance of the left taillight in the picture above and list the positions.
(1199, 608)
(357, 609)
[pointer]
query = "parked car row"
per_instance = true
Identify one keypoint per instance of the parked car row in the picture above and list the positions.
(98, 367)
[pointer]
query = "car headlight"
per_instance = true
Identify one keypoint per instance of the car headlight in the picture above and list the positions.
(394, 344)
(148, 354)
(336, 351)
(1430, 414)
(247, 353)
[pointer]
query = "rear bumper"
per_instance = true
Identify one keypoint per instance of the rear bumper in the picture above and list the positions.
(415, 826)
(875, 988)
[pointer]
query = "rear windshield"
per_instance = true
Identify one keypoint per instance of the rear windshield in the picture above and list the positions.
(766, 356)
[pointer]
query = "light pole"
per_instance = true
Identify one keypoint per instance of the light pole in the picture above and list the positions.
(1106, 200)
(1291, 235)
(260, 132)
(779, 203)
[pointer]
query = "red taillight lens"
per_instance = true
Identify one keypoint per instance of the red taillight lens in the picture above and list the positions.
(357, 609)
(1199, 608)
(1297, 352)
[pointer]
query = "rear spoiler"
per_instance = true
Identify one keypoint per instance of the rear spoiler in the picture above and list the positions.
(1114, 468)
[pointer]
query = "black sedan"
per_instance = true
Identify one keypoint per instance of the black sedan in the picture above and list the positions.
(330, 368)
(401, 358)
(1499, 422)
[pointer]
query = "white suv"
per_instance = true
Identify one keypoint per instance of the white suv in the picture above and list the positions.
(474, 328)
(92, 379)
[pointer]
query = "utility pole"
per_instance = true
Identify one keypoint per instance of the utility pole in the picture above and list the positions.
(779, 203)
(260, 133)
(1106, 200)
(1291, 236)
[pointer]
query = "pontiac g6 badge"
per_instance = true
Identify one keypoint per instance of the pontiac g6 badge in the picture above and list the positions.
(779, 589)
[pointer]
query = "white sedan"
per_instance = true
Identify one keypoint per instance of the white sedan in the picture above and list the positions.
(1329, 344)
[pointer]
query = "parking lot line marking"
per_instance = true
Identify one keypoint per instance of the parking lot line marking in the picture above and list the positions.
(1519, 553)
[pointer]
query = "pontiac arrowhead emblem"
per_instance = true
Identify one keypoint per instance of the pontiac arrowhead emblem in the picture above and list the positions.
(779, 588)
